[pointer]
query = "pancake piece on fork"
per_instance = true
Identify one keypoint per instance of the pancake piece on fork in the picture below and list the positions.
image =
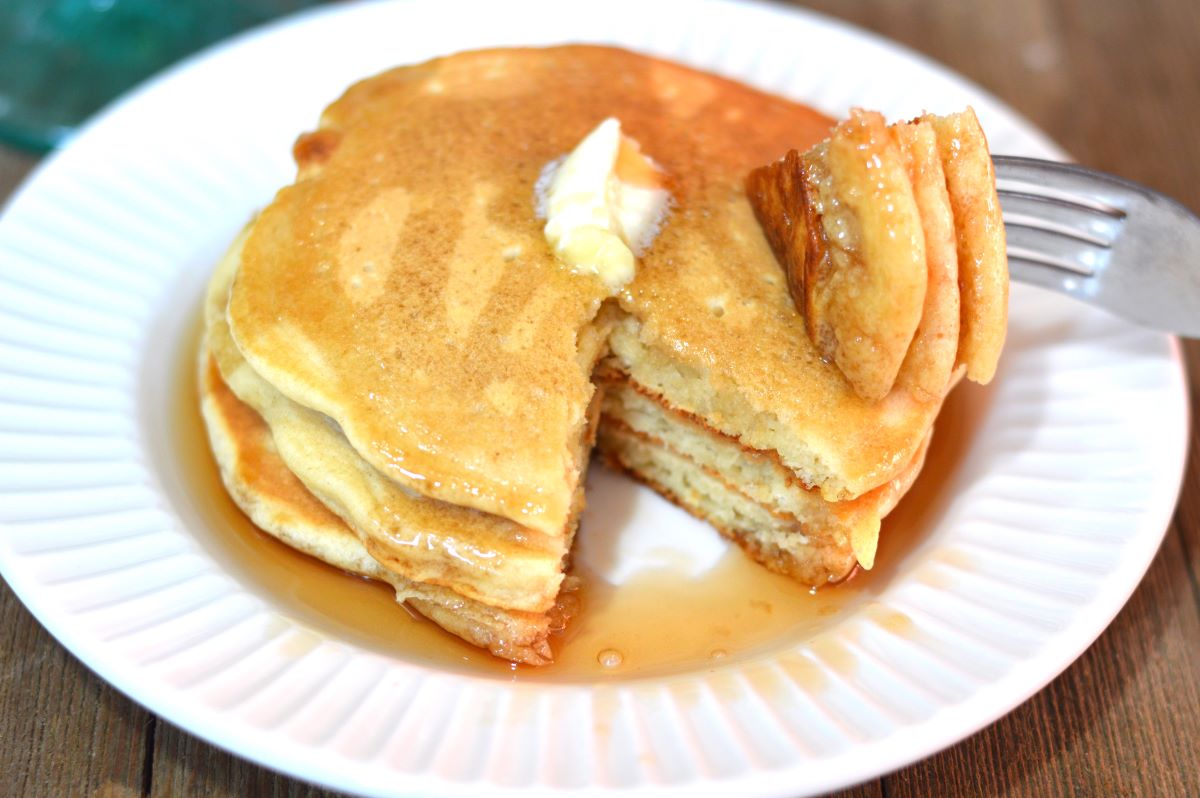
(835, 216)
(856, 261)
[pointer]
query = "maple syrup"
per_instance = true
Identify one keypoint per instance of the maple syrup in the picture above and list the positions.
(658, 622)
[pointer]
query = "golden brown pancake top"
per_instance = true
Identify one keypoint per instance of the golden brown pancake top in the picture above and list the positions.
(404, 287)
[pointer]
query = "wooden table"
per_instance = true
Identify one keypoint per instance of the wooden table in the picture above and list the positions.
(1118, 85)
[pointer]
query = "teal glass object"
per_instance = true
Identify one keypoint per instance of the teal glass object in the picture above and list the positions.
(61, 60)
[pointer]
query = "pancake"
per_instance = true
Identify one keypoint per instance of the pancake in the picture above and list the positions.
(855, 260)
(278, 503)
(480, 556)
(426, 370)
(424, 312)
(982, 252)
(929, 363)
(840, 218)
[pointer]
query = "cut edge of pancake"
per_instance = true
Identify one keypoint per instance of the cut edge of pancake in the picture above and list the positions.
(929, 364)
(748, 494)
(980, 238)
(814, 461)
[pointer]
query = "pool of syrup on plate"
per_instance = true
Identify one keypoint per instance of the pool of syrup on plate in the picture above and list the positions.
(659, 622)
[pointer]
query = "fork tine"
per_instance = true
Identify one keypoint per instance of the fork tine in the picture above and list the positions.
(1031, 273)
(1049, 248)
(1048, 196)
(1071, 183)
(1069, 220)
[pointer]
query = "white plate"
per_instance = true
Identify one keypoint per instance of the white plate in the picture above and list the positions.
(1043, 524)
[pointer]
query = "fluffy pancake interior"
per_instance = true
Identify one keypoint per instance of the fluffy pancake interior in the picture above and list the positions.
(833, 444)
(748, 494)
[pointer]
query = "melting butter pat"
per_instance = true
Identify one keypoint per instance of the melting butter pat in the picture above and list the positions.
(603, 205)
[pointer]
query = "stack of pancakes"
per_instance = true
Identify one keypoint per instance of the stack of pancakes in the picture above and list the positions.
(399, 377)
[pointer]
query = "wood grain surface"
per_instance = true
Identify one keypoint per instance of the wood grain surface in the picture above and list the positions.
(1118, 85)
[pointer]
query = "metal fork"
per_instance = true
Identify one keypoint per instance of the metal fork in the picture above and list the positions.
(1104, 240)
